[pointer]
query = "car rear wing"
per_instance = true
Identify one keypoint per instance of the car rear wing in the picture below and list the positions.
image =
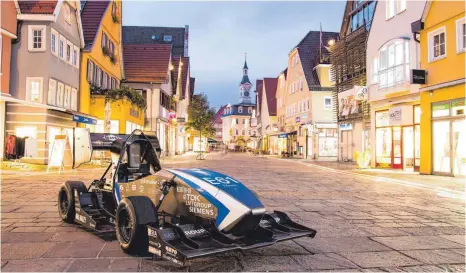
(103, 141)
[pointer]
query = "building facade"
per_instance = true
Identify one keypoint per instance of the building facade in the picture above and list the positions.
(269, 125)
(392, 53)
(308, 80)
(348, 58)
(218, 125)
(442, 35)
(47, 92)
(7, 36)
(102, 69)
(236, 119)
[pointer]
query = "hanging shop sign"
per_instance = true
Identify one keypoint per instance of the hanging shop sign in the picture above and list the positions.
(82, 119)
(418, 76)
(346, 126)
(395, 115)
(282, 135)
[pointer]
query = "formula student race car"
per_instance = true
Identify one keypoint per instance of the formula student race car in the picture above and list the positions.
(177, 214)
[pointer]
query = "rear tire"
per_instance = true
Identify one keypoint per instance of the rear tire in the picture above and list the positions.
(66, 199)
(132, 236)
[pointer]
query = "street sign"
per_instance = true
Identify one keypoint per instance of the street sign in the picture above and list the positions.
(82, 119)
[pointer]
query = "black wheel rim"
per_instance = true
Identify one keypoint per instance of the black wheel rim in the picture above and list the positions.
(124, 225)
(64, 203)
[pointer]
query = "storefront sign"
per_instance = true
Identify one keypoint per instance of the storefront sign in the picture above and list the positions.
(382, 119)
(82, 119)
(346, 126)
(418, 76)
(361, 93)
(181, 119)
(282, 135)
(395, 116)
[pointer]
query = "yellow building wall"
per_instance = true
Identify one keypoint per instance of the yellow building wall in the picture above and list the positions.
(452, 67)
(95, 105)
(323, 72)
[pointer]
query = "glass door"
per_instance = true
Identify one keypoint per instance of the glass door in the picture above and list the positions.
(441, 147)
(383, 152)
(459, 147)
(417, 147)
(408, 148)
(397, 145)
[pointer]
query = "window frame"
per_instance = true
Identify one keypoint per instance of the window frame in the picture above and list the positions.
(28, 88)
(391, 67)
(240, 109)
(431, 35)
(460, 43)
(31, 29)
(53, 32)
(74, 99)
(59, 103)
(67, 99)
(325, 103)
(54, 93)
(70, 44)
(62, 39)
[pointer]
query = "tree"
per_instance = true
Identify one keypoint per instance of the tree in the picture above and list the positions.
(200, 116)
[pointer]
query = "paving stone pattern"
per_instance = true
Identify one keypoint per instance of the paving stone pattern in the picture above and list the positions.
(362, 224)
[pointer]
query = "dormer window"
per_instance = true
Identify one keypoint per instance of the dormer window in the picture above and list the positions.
(167, 38)
(240, 109)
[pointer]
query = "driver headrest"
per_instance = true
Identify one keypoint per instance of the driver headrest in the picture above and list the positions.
(134, 151)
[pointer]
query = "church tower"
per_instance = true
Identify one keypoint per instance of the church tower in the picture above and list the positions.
(245, 85)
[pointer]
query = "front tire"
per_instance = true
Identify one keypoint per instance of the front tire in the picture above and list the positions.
(66, 199)
(132, 236)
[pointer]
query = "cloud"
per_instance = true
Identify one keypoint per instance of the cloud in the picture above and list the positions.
(221, 32)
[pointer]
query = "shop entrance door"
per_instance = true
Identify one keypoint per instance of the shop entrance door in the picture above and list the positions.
(347, 150)
(441, 147)
(397, 162)
(408, 148)
(459, 147)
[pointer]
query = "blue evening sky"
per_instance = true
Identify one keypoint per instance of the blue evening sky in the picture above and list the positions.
(221, 32)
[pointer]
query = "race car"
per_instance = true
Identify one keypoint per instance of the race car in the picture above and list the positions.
(177, 214)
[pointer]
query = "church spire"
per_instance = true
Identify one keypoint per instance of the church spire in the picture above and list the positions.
(245, 63)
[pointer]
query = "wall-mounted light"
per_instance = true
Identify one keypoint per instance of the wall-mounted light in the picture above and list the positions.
(331, 42)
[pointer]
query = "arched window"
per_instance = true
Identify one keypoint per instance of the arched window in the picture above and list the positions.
(240, 109)
(249, 110)
(392, 64)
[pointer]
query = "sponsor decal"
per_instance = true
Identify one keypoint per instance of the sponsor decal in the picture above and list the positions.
(195, 231)
(155, 251)
(92, 225)
(121, 187)
(133, 187)
(141, 188)
(172, 259)
(155, 244)
(151, 182)
(152, 233)
(193, 201)
(80, 218)
(171, 250)
(218, 180)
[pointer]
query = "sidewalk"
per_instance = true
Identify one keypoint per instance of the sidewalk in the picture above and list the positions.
(445, 186)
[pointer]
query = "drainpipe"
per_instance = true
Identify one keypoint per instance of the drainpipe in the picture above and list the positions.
(18, 32)
(416, 27)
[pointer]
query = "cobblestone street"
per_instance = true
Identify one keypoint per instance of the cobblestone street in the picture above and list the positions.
(362, 224)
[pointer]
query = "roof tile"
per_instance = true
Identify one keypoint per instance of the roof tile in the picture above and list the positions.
(270, 88)
(146, 62)
(91, 16)
(37, 7)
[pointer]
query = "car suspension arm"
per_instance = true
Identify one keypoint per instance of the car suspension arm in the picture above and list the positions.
(165, 189)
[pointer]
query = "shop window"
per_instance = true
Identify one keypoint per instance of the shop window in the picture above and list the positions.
(461, 35)
(52, 93)
(441, 109)
(382, 119)
(437, 44)
(34, 89)
(458, 107)
(417, 114)
(36, 35)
